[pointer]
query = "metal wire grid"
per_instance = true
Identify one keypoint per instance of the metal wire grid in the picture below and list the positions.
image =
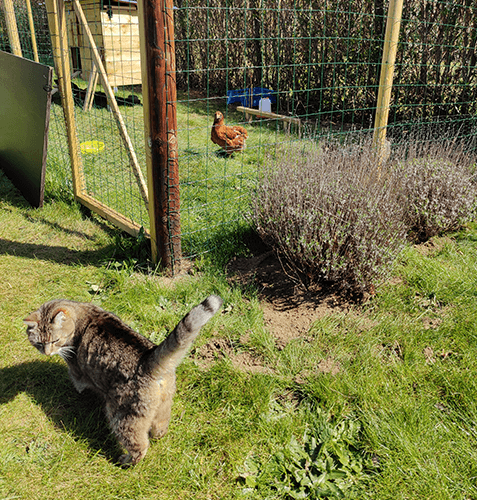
(435, 79)
(315, 55)
(107, 172)
(108, 175)
(321, 60)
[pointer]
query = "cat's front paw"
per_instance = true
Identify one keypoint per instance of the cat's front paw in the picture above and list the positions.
(125, 460)
(129, 459)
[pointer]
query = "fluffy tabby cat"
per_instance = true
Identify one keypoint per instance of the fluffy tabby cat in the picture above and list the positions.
(135, 377)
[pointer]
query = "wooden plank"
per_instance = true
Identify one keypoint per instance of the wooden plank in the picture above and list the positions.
(124, 43)
(110, 214)
(125, 29)
(123, 80)
(89, 98)
(125, 68)
(120, 19)
(123, 60)
(266, 114)
(86, 67)
(287, 120)
(73, 35)
(97, 31)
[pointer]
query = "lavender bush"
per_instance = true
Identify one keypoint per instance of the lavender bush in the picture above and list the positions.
(331, 214)
(438, 189)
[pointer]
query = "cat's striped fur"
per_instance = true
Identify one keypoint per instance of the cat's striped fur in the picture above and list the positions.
(135, 377)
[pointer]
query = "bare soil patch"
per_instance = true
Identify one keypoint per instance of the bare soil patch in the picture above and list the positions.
(288, 309)
(220, 348)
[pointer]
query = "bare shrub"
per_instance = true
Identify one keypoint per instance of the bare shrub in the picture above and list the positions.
(330, 214)
(437, 183)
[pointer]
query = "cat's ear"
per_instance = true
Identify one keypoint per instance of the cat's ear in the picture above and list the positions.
(63, 322)
(32, 320)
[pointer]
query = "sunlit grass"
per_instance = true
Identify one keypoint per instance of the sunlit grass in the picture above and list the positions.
(215, 190)
(405, 367)
(405, 373)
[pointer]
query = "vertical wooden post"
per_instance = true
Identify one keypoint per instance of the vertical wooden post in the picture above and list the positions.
(391, 38)
(93, 80)
(12, 28)
(59, 43)
(32, 31)
(158, 66)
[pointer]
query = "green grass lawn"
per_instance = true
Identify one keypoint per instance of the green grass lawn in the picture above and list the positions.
(396, 420)
(407, 377)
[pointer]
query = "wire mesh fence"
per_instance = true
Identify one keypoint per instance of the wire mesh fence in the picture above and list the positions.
(313, 64)
(104, 157)
(316, 62)
(435, 78)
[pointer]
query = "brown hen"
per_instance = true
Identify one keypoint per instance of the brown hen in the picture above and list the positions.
(230, 139)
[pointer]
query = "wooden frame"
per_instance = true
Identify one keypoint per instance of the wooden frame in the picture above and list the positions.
(113, 104)
(161, 130)
(156, 30)
(59, 39)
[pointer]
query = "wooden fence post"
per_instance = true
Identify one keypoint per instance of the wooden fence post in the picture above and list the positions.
(59, 43)
(391, 38)
(12, 28)
(158, 67)
(32, 31)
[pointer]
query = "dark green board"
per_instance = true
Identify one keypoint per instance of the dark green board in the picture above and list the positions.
(25, 98)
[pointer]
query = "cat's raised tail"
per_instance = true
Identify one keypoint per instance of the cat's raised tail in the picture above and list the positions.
(172, 350)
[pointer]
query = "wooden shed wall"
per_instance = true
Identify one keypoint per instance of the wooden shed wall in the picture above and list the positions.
(116, 37)
(122, 54)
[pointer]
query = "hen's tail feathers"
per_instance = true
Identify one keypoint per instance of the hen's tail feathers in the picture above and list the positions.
(242, 131)
(168, 355)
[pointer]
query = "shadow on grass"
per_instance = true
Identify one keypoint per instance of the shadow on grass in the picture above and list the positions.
(59, 254)
(48, 384)
(9, 195)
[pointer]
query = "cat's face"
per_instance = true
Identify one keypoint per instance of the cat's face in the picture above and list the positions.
(51, 330)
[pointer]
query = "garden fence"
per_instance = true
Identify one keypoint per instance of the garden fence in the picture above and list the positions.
(317, 61)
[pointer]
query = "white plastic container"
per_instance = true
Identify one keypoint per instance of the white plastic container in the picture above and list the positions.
(265, 105)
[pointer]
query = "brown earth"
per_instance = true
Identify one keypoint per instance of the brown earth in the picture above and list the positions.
(288, 310)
